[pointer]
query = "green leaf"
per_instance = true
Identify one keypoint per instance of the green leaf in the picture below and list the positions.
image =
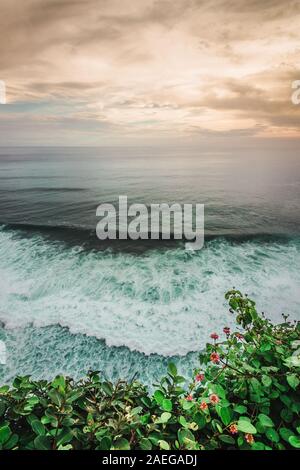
(295, 441)
(179, 379)
(145, 418)
(219, 390)
(65, 437)
(293, 361)
(187, 405)
(172, 369)
(266, 380)
(272, 435)
(67, 422)
(258, 446)
(38, 427)
(240, 409)
(265, 421)
(107, 388)
(73, 396)
(167, 405)
(293, 380)
(135, 411)
(104, 443)
(59, 382)
(256, 385)
(67, 447)
(286, 400)
(154, 437)
(266, 346)
(225, 415)
(12, 442)
(285, 433)
(17, 382)
(287, 415)
(226, 439)
(158, 397)
(246, 427)
(42, 443)
(121, 444)
(5, 433)
(145, 444)
(184, 436)
(183, 422)
(146, 401)
(200, 420)
(32, 401)
(163, 445)
(56, 397)
(164, 418)
(245, 418)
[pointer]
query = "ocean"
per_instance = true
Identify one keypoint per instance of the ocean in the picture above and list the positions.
(70, 303)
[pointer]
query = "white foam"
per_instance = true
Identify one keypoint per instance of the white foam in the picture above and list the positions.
(165, 302)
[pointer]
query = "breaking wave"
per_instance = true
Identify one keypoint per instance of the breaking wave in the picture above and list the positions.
(162, 302)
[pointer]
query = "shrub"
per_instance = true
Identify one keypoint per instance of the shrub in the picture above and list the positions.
(244, 396)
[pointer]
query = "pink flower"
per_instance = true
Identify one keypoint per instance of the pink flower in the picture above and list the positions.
(226, 330)
(189, 397)
(214, 357)
(249, 438)
(239, 336)
(214, 336)
(203, 406)
(214, 399)
(233, 429)
(199, 377)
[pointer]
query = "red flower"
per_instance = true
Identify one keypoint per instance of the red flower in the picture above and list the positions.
(226, 330)
(214, 336)
(189, 397)
(214, 357)
(203, 406)
(199, 377)
(249, 438)
(239, 336)
(214, 399)
(233, 429)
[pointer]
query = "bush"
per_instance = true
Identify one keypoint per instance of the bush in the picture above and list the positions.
(245, 396)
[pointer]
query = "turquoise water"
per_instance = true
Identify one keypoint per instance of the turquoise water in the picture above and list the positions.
(68, 304)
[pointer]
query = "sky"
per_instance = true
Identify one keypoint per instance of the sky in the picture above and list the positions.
(143, 72)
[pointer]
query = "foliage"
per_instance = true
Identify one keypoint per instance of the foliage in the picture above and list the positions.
(246, 396)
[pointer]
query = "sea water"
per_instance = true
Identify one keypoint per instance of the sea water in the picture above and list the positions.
(69, 303)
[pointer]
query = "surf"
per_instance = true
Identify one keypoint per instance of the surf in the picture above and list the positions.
(164, 302)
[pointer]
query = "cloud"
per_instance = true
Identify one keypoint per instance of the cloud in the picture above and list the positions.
(168, 66)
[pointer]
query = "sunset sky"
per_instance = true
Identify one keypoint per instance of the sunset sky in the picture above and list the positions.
(111, 72)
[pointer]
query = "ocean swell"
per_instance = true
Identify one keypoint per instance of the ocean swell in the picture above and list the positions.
(162, 302)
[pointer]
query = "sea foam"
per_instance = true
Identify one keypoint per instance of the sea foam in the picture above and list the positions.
(164, 302)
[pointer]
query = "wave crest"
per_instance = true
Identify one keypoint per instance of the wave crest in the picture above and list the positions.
(164, 302)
